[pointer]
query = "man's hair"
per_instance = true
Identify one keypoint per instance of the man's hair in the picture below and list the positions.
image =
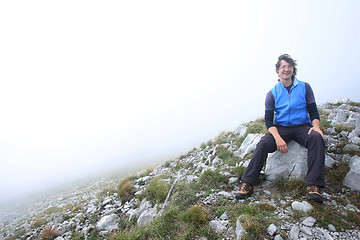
(288, 59)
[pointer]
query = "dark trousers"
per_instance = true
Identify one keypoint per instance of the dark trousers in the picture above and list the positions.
(315, 154)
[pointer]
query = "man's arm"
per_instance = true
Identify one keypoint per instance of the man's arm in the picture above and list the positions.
(280, 143)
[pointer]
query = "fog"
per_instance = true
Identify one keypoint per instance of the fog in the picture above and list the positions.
(90, 86)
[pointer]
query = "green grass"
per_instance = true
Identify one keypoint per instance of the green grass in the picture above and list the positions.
(212, 179)
(257, 126)
(342, 127)
(335, 176)
(157, 190)
(173, 224)
(295, 188)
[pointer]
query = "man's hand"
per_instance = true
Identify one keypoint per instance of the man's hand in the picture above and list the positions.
(316, 127)
(281, 145)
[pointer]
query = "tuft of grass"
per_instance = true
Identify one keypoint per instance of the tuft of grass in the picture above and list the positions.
(295, 188)
(324, 123)
(145, 173)
(212, 179)
(38, 223)
(196, 215)
(238, 171)
(49, 233)
(185, 194)
(157, 190)
(126, 191)
(223, 153)
(354, 104)
(203, 146)
(341, 219)
(257, 126)
(171, 226)
(342, 127)
(220, 139)
(335, 176)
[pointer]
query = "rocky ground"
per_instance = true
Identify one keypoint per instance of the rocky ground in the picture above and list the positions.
(278, 209)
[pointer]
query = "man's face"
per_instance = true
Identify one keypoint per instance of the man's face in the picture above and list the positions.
(285, 70)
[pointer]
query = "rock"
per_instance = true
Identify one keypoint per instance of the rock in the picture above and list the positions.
(108, 223)
(329, 161)
(240, 231)
(350, 148)
(309, 221)
(216, 226)
(352, 178)
(278, 237)
(271, 229)
(224, 216)
(301, 206)
(331, 228)
(248, 144)
(287, 165)
(306, 230)
(294, 232)
(147, 216)
(233, 180)
(225, 194)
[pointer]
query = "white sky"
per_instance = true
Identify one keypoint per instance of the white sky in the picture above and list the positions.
(90, 85)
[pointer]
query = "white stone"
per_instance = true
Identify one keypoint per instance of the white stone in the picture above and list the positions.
(271, 229)
(147, 216)
(216, 226)
(108, 222)
(309, 221)
(294, 232)
(306, 230)
(301, 206)
(287, 165)
(249, 143)
(352, 178)
(240, 231)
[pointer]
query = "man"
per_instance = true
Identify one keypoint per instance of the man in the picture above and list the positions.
(296, 118)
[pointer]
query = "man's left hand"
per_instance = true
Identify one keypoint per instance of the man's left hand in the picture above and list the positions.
(316, 129)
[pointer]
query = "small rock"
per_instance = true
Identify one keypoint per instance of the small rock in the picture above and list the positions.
(271, 229)
(278, 237)
(306, 230)
(294, 233)
(309, 221)
(301, 206)
(331, 228)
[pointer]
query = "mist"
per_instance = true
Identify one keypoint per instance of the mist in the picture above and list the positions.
(89, 87)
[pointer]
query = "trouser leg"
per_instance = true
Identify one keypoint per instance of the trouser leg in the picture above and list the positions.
(315, 145)
(266, 145)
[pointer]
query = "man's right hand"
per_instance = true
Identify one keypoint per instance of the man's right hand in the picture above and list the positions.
(281, 145)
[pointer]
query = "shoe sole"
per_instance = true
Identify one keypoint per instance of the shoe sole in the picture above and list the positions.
(316, 197)
(240, 196)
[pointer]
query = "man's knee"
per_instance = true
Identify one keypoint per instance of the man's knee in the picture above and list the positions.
(316, 136)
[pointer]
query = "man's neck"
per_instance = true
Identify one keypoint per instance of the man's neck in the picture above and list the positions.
(286, 83)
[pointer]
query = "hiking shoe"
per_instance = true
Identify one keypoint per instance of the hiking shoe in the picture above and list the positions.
(314, 193)
(245, 191)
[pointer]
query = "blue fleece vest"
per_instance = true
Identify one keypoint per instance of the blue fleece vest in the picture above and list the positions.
(290, 108)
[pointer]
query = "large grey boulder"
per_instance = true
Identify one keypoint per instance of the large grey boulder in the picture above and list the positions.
(147, 216)
(352, 178)
(108, 223)
(249, 144)
(287, 165)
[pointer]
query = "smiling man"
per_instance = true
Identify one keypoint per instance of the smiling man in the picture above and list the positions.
(290, 114)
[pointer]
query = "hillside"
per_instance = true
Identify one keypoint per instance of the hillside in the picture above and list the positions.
(192, 196)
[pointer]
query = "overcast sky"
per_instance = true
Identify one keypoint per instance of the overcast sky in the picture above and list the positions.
(93, 85)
